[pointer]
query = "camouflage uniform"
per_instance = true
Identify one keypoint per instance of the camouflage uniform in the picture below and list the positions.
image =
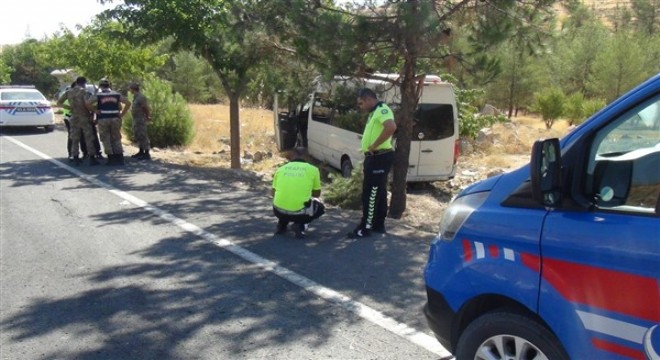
(80, 121)
(140, 121)
(109, 105)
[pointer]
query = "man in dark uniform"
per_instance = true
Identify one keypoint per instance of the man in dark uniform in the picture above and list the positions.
(80, 121)
(110, 107)
(378, 159)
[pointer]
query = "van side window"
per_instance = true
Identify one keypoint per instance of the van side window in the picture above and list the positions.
(433, 122)
(321, 108)
(624, 163)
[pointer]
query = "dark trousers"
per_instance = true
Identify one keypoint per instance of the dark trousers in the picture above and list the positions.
(374, 189)
(302, 219)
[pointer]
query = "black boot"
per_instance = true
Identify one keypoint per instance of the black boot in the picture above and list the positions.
(138, 155)
(112, 160)
(145, 155)
(76, 161)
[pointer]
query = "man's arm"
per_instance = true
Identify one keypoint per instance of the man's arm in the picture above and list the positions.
(389, 127)
(62, 99)
(126, 106)
(316, 193)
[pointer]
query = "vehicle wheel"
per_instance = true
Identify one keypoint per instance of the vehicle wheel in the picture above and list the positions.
(346, 168)
(508, 335)
(49, 128)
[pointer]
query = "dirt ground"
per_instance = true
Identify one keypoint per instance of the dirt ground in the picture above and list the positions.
(505, 147)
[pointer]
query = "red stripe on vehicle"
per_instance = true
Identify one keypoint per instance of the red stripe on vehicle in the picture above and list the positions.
(618, 349)
(531, 261)
(606, 289)
(494, 251)
(467, 251)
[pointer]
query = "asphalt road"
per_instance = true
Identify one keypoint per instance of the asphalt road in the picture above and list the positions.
(155, 261)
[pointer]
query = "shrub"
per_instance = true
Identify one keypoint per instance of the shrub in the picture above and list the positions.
(469, 119)
(345, 192)
(550, 104)
(172, 123)
(574, 109)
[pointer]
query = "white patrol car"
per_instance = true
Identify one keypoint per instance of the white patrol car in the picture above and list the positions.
(25, 106)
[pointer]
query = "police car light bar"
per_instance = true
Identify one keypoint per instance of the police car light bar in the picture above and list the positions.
(17, 87)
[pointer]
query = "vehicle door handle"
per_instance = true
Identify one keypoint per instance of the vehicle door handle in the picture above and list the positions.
(427, 151)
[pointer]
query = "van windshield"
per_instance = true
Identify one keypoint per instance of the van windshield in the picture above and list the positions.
(433, 122)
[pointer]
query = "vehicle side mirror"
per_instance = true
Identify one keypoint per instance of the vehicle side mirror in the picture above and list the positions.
(545, 171)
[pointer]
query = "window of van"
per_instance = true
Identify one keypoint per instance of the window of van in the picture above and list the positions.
(624, 161)
(433, 121)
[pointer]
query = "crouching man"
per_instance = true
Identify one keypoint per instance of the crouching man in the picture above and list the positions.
(296, 188)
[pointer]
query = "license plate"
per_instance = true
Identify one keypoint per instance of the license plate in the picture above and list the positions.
(24, 109)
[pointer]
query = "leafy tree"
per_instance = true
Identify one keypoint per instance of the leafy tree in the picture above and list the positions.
(5, 72)
(394, 37)
(550, 104)
(619, 67)
(172, 123)
(647, 15)
(30, 66)
(101, 50)
(574, 108)
(228, 34)
(192, 77)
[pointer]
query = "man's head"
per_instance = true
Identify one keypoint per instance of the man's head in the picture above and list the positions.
(297, 153)
(134, 87)
(366, 99)
(81, 81)
(104, 83)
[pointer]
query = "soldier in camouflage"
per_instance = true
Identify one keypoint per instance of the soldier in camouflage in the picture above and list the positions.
(80, 121)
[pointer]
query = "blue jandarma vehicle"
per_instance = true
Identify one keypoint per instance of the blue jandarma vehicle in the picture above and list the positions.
(559, 259)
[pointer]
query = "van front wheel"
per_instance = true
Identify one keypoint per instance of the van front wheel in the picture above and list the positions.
(508, 335)
(346, 168)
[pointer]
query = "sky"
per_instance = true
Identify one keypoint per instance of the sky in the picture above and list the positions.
(39, 18)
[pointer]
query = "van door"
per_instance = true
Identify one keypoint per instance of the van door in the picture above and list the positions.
(318, 126)
(601, 267)
(433, 140)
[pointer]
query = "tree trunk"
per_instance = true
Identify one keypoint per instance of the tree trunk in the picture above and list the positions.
(403, 138)
(234, 127)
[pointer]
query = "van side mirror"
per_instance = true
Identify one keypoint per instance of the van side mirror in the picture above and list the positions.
(545, 172)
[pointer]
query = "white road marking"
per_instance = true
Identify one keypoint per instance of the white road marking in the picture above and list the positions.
(374, 316)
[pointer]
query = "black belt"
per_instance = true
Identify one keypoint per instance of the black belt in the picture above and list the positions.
(377, 152)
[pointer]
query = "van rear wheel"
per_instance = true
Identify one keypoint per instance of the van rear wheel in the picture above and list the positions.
(508, 335)
(346, 168)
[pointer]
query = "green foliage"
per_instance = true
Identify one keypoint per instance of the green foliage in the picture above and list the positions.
(102, 50)
(550, 104)
(5, 72)
(172, 123)
(345, 192)
(574, 108)
(28, 64)
(193, 78)
(592, 106)
(469, 119)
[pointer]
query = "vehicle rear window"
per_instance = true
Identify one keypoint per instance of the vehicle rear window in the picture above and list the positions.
(21, 95)
(434, 121)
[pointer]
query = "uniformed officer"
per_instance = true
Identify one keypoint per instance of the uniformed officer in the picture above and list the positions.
(80, 121)
(141, 113)
(296, 188)
(378, 158)
(110, 107)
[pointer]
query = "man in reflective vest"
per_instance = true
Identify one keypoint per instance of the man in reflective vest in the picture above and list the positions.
(110, 107)
(296, 188)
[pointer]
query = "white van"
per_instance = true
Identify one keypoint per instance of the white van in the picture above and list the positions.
(334, 125)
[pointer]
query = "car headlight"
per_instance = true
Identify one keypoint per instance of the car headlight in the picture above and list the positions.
(458, 211)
